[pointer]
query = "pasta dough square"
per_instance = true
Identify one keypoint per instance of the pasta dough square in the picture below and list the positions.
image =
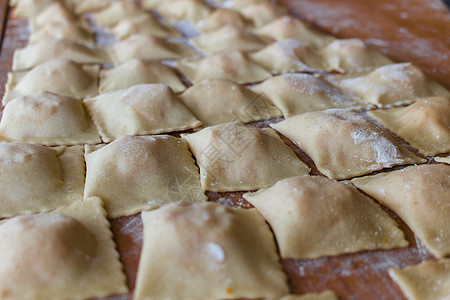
(428, 280)
(288, 27)
(178, 10)
(295, 94)
(217, 101)
(208, 251)
(136, 173)
(390, 85)
(263, 12)
(288, 56)
(233, 66)
(350, 55)
(61, 76)
(425, 124)
(222, 17)
(67, 252)
(138, 110)
(420, 195)
(143, 24)
(236, 157)
(138, 71)
(343, 144)
(33, 55)
(226, 39)
(147, 47)
(49, 119)
(114, 13)
(34, 178)
(313, 216)
(55, 30)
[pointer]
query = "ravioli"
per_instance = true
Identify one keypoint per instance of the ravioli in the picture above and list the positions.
(313, 216)
(227, 38)
(208, 251)
(49, 119)
(136, 173)
(288, 27)
(420, 195)
(138, 110)
(263, 12)
(233, 66)
(33, 55)
(343, 144)
(59, 76)
(53, 177)
(428, 280)
(287, 56)
(295, 94)
(85, 6)
(217, 101)
(425, 125)
(138, 71)
(26, 9)
(350, 55)
(390, 85)
(143, 24)
(56, 13)
(148, 47)
(236, 157)
(221, 17)
(54, 30)
(67, 252)
(178, 10)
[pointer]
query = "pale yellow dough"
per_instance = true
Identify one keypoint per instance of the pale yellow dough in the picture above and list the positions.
(56, 13)
(178, 10)
(420, 195)
(35, 178)
(139, 173)
(143, 24)
(234, 66)
(114, 13)
(263, 12)
(33, 55)
(55, 30)
(148, 47)
(390, 85)
(61, 76)
(343, 144)
(137, 71)
(26, 9)
(138, 110)
(67, 252)
(425, 125)
(227, 38)
(85, 6)
(313, 217)
(222, 17)
(236, 157)
(240, 4)
(428, 280)
(443, 159)
(288, 27)
(49, 119)
(295, 94)
(352, 55)
(208, 251)
(287, 56)
(217, 101)
(326, 295)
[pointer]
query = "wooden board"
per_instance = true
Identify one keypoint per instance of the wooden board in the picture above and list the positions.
(355, 276)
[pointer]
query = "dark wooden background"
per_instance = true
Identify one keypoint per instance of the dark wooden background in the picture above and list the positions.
(406, 30)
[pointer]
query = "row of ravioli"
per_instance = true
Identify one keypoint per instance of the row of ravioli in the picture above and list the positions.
(232, 252)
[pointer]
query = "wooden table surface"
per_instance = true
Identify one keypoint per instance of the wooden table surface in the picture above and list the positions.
(408, 30)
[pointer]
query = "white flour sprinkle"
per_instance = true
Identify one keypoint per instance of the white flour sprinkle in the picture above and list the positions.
(216, 251)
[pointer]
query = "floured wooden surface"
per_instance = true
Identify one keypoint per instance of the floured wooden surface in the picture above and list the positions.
(356, 276)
